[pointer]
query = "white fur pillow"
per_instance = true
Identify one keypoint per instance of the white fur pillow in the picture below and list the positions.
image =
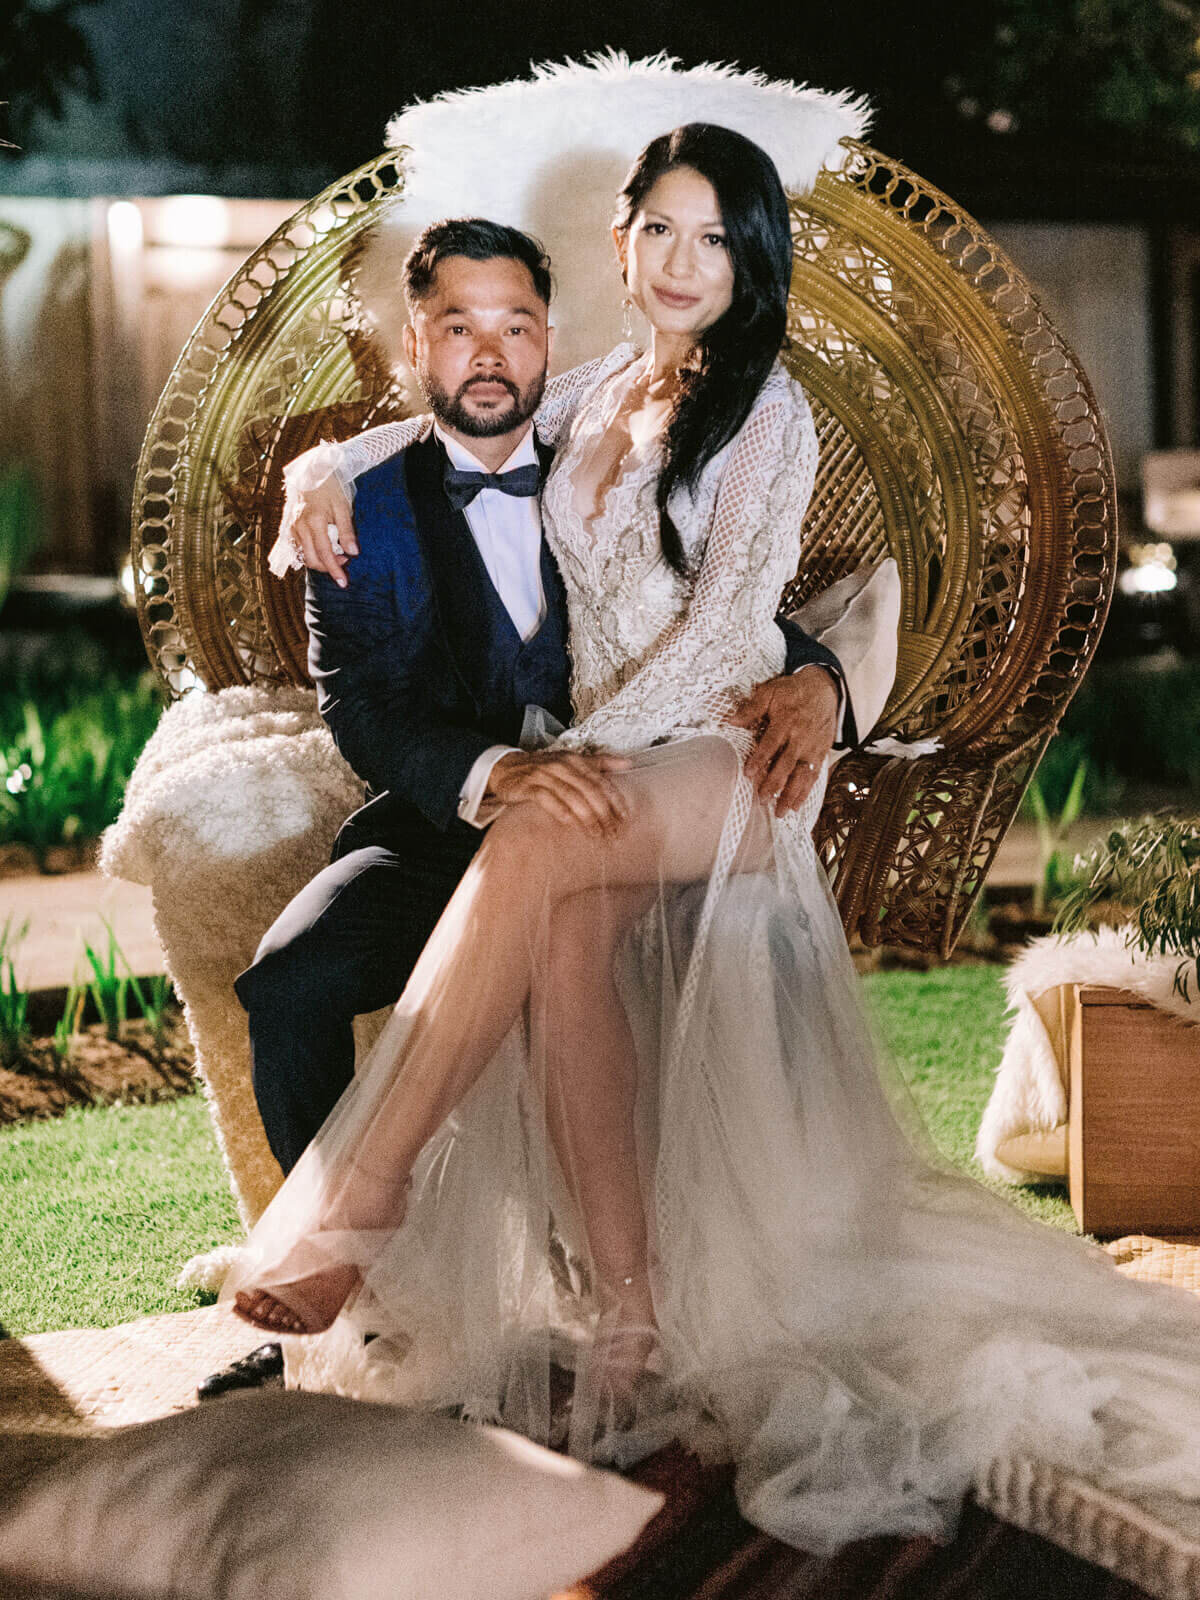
(858, 618)
(291, 1496)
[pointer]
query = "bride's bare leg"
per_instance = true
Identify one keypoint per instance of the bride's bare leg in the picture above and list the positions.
(474, 976)
(581, 1040)
(581, 1034)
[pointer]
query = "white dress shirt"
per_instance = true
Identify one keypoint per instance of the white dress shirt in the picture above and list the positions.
(507, 530)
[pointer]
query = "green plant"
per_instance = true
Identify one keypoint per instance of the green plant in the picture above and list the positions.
(155, 1000)
(1103, 787)
(1053, 877)
(1131, 66)
(1149, 869)
(44, 54)
(63, 771)
(68, 1025)
(14, 1000)
(20, 525)
(109, 988)
(1132, 721)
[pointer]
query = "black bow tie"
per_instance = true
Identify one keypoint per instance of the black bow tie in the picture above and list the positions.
(462, 487)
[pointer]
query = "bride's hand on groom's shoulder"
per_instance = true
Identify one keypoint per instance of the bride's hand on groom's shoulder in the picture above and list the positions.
(794, 722)
(573, 788)
(318, 522)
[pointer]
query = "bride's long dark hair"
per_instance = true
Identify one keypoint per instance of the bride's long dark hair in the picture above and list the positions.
(735, 354)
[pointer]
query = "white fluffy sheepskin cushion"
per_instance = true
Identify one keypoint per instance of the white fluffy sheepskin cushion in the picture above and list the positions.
(1030, 1093)
(548, 153)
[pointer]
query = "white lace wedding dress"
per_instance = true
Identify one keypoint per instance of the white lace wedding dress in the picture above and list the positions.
(861, 1329)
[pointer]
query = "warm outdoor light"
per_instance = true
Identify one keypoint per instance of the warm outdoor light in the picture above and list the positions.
(1171, 493)
(1151, 570)
(194, 221)
(124, 228)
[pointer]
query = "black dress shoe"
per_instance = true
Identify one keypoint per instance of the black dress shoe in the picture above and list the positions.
(261, 1369)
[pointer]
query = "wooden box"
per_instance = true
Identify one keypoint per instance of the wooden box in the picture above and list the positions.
(1134, 1116)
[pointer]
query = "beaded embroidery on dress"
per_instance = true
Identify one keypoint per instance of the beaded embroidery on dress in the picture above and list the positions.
(861, 1329)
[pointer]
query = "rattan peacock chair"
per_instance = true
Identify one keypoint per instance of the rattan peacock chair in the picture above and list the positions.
(957, 432)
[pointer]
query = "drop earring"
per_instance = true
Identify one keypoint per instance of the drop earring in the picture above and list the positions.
(627, 319)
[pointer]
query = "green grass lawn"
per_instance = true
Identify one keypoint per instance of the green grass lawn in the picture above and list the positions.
(101, 1208)
(945, 1031)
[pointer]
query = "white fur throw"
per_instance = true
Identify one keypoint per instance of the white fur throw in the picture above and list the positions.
(548, 153)
(231, 809)
(1030, 1094)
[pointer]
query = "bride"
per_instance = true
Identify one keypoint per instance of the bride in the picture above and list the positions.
(626, 1135)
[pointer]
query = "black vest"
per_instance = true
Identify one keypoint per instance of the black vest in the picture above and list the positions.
(502, 673)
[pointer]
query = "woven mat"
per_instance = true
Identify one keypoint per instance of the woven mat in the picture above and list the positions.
(89, 1379)
(1174, 1261)
(92, 1378)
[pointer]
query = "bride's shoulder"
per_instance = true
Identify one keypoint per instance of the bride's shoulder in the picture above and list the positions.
(780, 407)
(607, 366)
(782, 391)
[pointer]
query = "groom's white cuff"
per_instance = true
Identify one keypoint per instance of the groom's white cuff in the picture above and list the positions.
(471, 805)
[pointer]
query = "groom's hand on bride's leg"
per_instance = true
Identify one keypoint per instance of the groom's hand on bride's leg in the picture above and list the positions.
(574, 788)
(794, 721)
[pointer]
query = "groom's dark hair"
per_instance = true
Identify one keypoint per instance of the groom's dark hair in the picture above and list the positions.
(478, 240)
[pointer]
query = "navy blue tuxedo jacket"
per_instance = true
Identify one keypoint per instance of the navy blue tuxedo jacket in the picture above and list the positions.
(417, 665)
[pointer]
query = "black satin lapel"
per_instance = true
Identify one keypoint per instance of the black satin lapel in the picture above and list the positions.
(545, 455)
(552, 587)
(455, 565)
(552, 583)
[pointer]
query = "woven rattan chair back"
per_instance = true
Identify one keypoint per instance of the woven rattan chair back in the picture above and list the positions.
(958, 433)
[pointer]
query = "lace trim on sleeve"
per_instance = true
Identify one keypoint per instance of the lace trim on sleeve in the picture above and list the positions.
(693, 672)
(344, 462)
(350, 459)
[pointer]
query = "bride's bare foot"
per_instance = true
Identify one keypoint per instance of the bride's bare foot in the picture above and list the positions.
(314, 1302)
(310, 1305)
(627, 1340)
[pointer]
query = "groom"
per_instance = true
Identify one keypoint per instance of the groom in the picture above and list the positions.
(425, 658)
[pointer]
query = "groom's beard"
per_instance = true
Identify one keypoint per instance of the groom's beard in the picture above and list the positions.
(452, 413)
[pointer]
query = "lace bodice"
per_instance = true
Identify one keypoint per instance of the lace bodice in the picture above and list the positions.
(654, 653)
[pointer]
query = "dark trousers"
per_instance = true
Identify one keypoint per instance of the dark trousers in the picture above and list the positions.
(345, 945)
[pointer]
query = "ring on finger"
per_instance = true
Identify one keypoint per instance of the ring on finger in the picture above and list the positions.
(331, 533)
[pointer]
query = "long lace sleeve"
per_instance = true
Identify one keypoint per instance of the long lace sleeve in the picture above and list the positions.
(343, 462)
(353, 457)
(700, 665)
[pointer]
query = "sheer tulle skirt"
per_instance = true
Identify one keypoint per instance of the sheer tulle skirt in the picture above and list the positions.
(857, 1326)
